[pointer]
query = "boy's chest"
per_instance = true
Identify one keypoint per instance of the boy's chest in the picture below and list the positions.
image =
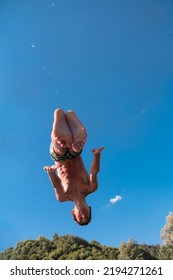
(74, 187)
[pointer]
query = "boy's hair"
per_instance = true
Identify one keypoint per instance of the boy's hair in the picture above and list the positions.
(87, 222)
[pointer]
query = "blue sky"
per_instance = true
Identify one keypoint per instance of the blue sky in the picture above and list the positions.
(112, 63)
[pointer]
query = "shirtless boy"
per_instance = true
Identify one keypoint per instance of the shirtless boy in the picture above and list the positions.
(72, 182)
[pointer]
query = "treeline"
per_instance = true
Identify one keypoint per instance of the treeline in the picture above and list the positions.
(69, 247)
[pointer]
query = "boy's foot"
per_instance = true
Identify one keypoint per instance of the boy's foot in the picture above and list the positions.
(61, 133)
(78, 131)
(79, 136)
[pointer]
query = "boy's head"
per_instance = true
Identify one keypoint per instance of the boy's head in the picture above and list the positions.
(82, 216)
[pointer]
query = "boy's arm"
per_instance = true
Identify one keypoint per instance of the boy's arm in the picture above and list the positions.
(56, 182)
(94, 169)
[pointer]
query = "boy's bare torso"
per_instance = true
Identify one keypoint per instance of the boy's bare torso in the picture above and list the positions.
(74, 177)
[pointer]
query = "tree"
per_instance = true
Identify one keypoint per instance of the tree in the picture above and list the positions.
(166, 253)
(69, 247)
(130, 250)
(167, 231)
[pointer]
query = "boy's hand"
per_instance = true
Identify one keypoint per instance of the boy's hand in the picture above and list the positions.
(97, 151)
(50, 169)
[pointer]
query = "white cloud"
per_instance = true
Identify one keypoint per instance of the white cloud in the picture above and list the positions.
(115, 199)
(112, 201)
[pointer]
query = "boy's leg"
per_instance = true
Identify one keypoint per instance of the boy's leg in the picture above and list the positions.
(61, 135)
(78, 131)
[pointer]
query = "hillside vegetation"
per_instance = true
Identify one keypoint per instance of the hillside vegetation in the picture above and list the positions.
(69, 247)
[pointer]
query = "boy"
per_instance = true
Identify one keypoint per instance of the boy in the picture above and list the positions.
(72, 182)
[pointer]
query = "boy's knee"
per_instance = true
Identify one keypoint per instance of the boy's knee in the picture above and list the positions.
(69, 112)
(58, 112)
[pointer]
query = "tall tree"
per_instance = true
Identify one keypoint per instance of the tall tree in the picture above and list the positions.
(167, 231)
(130, 250)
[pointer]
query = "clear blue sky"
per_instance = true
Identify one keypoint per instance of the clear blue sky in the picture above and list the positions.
(112, 63)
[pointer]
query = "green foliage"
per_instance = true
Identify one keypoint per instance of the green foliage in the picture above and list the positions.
(59, 248)
(166, 253)
(153, 251)
(69, 247)
(132, 251)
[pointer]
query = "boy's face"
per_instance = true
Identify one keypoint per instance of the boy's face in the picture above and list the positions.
(82, 215)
